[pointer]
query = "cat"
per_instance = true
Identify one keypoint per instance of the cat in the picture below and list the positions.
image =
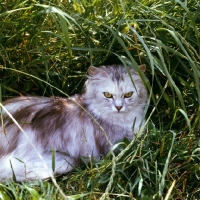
(83, 125)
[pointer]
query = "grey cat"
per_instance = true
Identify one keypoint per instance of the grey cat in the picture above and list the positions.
(84, 125)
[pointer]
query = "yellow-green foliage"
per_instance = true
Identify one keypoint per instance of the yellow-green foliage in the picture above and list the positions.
(46, 48)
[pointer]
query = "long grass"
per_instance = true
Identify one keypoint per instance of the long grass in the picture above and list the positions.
(46, 48)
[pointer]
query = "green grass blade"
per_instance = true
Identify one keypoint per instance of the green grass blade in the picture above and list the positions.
(167, 163)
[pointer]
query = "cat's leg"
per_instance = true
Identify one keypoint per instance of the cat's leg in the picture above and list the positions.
(48, 166)
(10, 167)
(34, 168)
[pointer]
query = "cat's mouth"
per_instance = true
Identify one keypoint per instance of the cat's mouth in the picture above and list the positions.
(119, 111)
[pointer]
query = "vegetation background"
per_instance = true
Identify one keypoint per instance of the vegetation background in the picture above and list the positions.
(46, 48)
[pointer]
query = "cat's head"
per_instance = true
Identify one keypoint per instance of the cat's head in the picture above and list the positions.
(112, 91)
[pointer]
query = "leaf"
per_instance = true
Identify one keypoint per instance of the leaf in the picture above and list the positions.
(77, 196)
(53, 159)
(167, 162)
(34, 194)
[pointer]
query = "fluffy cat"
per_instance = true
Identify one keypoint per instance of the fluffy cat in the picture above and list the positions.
(74, 127)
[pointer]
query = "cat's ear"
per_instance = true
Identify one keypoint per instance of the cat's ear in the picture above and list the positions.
(141, 67)
(94, 71)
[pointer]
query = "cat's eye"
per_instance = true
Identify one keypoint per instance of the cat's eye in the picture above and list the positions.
(127, 95)
(108, 95)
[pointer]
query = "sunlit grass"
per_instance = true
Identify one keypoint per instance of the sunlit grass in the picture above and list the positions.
(46, 48)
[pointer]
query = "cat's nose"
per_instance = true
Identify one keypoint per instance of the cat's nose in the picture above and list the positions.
(118, 107)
